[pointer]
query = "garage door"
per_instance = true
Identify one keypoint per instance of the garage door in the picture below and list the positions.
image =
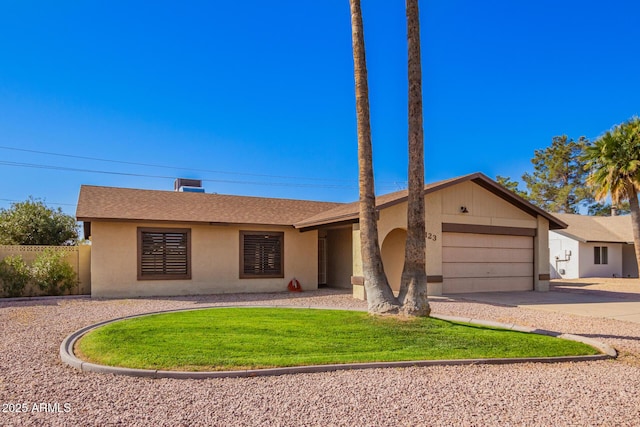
(486, 263)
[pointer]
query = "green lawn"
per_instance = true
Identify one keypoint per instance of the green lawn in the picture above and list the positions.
(244, 338)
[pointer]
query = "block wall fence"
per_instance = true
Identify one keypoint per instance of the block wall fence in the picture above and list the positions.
(78, 256)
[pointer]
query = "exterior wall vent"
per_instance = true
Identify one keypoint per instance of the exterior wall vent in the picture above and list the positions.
(188, 185)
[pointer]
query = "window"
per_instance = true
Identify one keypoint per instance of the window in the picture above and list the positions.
(164, 253)
(601, 255)
(261, 254)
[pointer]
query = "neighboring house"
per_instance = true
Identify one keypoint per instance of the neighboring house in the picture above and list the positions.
(480, 237)
(592, 246)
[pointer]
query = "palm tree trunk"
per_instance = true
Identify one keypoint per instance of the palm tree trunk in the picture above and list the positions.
(635, 218)
(380, 298)
(413, 285)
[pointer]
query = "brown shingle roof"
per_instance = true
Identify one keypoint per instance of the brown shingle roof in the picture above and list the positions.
(110, 203)
(612, 229)
(349, 212)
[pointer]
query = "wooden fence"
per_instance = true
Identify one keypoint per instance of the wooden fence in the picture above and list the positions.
(78, 256)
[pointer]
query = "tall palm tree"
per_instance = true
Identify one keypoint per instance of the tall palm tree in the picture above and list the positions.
(380, 298)
(413, 284)
(614, 164)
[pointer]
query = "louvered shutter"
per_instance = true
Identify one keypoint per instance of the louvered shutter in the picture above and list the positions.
(262, 254)
(163, 254)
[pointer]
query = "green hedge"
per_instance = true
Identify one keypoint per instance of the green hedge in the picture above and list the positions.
(49, 272)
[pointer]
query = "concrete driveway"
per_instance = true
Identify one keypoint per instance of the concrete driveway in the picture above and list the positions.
(606, 298)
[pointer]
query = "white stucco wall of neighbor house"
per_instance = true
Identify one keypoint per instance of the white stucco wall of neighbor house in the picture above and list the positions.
(564, 259)
(613, 267)
(571, 259)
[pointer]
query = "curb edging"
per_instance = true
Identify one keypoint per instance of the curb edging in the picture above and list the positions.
(68, 357)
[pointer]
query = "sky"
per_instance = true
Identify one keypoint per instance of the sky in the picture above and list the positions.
(257, 98)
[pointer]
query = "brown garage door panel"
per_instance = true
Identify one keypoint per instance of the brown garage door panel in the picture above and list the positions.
(464, 255)
(465, 240)
(486, 262)
(487, 269)
(491, 284)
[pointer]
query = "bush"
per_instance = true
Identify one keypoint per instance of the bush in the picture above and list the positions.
(14, 275)
(52, 274)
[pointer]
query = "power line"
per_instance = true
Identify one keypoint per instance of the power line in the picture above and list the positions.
(48, 203)
(69, 169)
(123, 162)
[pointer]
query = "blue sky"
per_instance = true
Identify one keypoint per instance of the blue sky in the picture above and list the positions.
(257, 98)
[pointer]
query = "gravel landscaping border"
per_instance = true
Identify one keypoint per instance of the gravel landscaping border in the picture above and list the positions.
(37, 389)
(68, 356)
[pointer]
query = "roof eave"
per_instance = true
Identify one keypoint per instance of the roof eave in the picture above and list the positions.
(477, 178)
(332, 224)
(218, 223)
(570, 236)
(490, 185)
(304, 226)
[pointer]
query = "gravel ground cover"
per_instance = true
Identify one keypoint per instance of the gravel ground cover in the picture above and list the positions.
(34, 381)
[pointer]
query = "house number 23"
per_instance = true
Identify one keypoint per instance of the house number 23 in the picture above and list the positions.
(431, 236)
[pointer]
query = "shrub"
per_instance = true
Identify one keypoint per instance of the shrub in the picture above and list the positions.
(52, 274)
(14, 275)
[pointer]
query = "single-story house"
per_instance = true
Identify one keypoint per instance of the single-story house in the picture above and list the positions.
(592, 246)
(480, 237)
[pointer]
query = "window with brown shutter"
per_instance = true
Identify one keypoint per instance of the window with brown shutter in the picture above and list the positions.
(261, 254)
(164, 253)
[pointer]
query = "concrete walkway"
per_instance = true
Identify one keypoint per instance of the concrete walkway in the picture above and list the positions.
(563, 298)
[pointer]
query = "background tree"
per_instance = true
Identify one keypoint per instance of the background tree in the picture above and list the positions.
(413, 283)
(380, 298)
(558, 181)
(613, 162)
(604, 209)
(33, 223)
(512, 186)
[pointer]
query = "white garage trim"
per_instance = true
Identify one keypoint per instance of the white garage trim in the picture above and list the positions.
(479, 262)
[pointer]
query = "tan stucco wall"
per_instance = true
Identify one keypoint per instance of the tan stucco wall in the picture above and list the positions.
(340, 255)
(355, 250)
(484, 208)
(541, 256)
(393, 256)
(395, 217)
(433, 222)
(443, 206)
(215, 261)
(392, 220)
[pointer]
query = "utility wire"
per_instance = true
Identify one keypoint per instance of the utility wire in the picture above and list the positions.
(64, 168)
(48, 203)
(123, 162)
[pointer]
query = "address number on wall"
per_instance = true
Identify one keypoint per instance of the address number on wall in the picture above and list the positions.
(432, 236)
